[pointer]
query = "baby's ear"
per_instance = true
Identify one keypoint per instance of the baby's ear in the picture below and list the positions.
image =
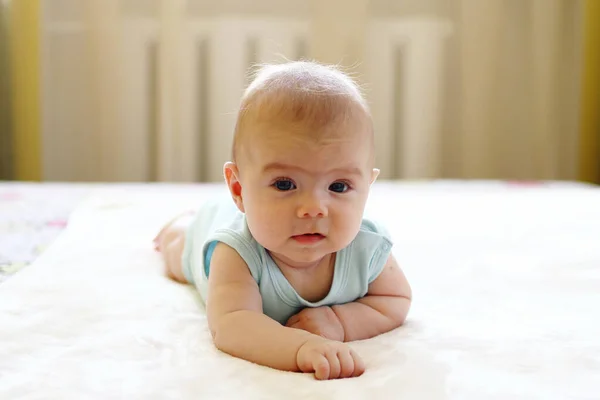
(232, 178)
(374, 175)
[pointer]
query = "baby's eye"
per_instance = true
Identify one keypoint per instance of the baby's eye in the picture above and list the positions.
(284, 185)
(339, 187)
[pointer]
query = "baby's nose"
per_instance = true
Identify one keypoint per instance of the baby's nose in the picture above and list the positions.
(312, 207)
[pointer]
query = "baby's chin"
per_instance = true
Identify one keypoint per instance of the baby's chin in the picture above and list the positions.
(298, 256)
(292, 252)
(303, 255)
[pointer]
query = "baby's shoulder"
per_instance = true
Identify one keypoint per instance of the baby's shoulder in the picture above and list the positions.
(372, 237)
(371, 226)
(366, 255)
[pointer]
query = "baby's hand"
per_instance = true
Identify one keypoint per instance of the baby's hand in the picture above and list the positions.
(329, 359)
(320, 321)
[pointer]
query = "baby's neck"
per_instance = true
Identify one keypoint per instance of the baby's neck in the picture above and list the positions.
(312, 281)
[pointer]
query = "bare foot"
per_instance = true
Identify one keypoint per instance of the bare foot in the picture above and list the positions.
(159, 239)
(170, 242)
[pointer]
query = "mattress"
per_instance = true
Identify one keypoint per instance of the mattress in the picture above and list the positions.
(506, 282)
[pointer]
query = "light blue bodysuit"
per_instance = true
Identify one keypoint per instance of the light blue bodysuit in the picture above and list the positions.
(356, 266)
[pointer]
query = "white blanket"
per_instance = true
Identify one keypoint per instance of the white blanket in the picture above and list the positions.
(506, 285)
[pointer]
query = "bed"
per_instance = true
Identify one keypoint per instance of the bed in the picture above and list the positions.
(506, 281)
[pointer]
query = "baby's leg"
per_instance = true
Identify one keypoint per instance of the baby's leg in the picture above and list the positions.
(170, 241)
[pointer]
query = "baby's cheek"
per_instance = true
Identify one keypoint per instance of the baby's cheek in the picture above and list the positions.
(352, 226)
(344, 234)
(266, 228)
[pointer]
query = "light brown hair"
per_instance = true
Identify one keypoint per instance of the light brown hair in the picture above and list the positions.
(304, 94)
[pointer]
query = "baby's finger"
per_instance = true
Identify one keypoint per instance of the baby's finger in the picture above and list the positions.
(346, 364)
(321, 366)
(298, 326)
(334, 364)
(293, 320)
(359, 364)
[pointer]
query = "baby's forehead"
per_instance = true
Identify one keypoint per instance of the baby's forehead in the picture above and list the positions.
(349, 136)
(283, 146)
(305, 136)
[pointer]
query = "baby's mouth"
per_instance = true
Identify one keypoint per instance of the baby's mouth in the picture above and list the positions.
(308, 237)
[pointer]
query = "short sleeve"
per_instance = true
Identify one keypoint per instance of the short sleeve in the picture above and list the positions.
(382, 250)
(238, 237)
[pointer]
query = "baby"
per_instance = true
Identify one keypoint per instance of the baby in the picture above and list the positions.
(290, 270)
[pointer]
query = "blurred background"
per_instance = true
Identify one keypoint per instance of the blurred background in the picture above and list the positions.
(146, 90)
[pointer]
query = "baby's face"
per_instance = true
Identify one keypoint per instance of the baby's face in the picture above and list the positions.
(305, 200)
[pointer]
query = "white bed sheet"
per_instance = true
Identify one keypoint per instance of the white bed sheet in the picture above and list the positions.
(506, 287)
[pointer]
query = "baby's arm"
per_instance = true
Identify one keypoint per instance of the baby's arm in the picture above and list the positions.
(384, 308)
(239, 327)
